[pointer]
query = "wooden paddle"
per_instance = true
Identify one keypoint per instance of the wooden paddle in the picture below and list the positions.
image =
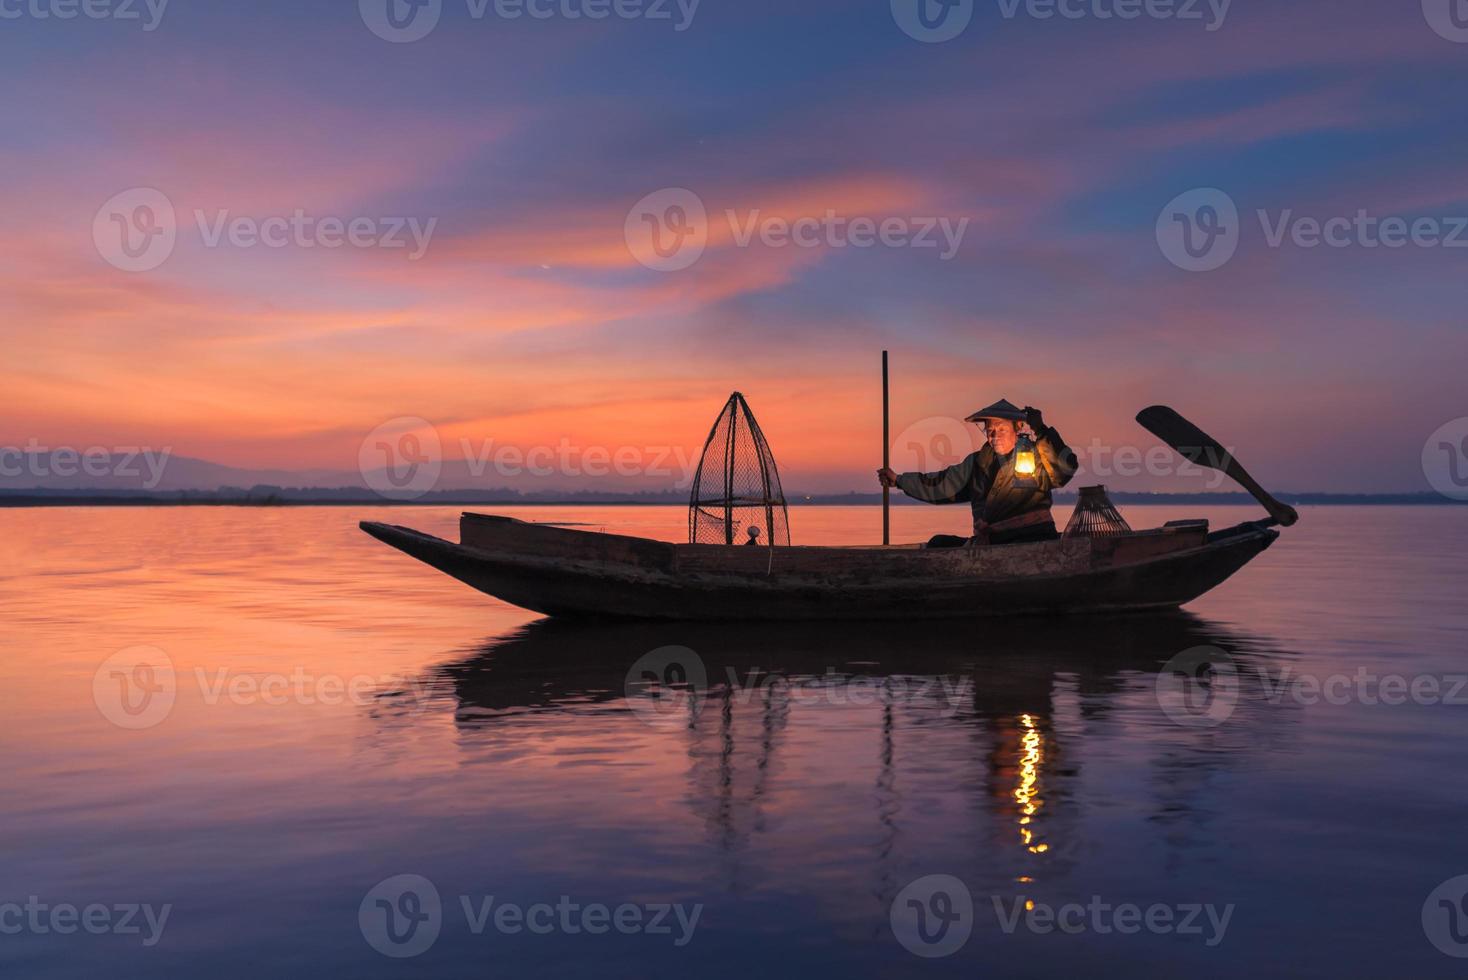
(1196, 446)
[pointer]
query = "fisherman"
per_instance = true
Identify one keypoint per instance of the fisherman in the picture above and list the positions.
(1008, 507)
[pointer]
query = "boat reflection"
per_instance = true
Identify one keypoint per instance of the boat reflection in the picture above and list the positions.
(906, 723)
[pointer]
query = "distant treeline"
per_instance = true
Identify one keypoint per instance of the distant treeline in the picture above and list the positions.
(1128, 497)
(267, 496)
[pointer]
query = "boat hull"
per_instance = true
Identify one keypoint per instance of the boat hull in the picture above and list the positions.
(562, 572)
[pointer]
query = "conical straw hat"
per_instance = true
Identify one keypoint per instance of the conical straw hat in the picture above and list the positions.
(1002, 409)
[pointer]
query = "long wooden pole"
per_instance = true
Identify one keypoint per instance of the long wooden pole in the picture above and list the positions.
(886, 458)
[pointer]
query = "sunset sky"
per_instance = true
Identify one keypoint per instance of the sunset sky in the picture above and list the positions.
(527, 143)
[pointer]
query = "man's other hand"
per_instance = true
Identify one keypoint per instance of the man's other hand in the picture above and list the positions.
(886, 478)
(1035, 419)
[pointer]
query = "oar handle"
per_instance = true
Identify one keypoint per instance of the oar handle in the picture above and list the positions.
(1282, 512)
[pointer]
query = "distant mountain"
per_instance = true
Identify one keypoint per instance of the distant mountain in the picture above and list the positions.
(158, 471)
(154, 470)
(166, 478)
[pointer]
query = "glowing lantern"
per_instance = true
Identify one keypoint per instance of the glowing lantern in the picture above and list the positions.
(1026, 464)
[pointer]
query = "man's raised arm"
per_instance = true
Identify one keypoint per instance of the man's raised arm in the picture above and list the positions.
(1057, 460)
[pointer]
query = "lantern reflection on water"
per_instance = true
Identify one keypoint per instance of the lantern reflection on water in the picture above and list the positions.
(1027, 793)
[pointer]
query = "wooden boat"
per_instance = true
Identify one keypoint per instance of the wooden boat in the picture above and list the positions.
(565, 572)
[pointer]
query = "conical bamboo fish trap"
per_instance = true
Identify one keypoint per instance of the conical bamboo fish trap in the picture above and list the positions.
(736, 496)
(1096, 516)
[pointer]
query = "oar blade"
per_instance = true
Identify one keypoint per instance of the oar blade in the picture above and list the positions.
(1191, 442)
(1197, 446)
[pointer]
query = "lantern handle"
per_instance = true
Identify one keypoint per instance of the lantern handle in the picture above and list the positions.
(1197, 447)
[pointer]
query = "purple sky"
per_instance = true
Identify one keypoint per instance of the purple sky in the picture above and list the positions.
(1018, 181)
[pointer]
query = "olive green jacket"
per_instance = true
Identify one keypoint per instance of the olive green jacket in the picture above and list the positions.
(986, 481)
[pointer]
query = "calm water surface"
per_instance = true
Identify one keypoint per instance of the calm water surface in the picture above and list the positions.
(820, 772)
